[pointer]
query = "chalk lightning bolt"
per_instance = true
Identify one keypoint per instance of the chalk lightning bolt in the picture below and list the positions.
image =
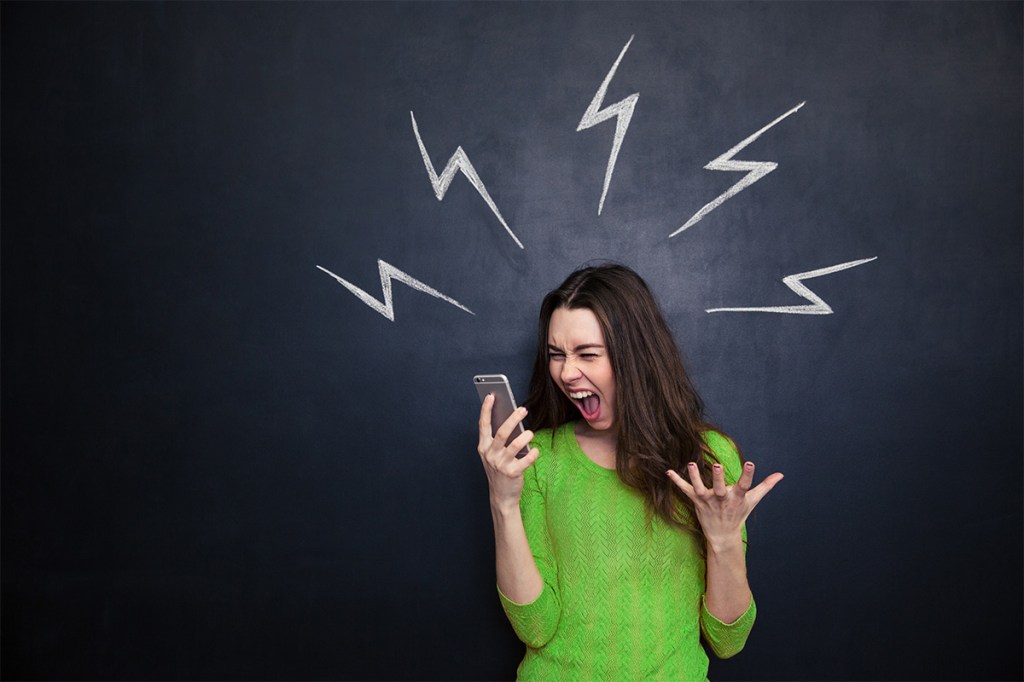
(622, 110)
(458, 162)
(817, 305)
(756, 171)
(389, 272)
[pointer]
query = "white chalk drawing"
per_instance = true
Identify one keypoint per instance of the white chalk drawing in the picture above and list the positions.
(458, 162)
(389, 272)
(756, 171)
(622, 110)
(817, 305)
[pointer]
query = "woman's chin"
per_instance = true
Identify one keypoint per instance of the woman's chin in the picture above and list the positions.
(598, 422)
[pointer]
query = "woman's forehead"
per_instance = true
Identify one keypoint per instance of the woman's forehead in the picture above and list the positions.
(570, 327)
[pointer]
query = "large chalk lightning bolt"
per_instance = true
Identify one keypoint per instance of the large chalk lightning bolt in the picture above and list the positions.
(756, 171)
(458, 162)
(622, 110)
(389, 272)
(817, 306)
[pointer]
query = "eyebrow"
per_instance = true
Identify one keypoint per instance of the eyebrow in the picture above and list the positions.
(577, 349)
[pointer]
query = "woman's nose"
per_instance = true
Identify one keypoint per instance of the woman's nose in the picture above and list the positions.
(570, 370)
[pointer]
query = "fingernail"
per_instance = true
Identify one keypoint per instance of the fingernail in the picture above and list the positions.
(717, 467)
(749, 465)
(692, 465)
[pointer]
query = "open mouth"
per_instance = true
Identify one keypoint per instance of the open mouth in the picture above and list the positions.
(588, 403)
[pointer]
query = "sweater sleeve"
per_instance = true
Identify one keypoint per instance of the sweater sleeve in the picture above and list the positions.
(535, 623)
(726, 639)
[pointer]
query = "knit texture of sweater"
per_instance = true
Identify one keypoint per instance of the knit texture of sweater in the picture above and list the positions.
(623, 595)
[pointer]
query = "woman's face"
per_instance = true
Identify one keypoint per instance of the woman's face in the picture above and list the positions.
(579, 365)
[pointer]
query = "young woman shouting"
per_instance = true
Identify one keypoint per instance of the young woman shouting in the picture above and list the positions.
(620, 537)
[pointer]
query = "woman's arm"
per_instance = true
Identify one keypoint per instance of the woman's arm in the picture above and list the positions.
(527, 576)
(518, 577)
(727, 595)
(722, 510)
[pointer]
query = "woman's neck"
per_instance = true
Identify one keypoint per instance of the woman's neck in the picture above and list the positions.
(599, 446)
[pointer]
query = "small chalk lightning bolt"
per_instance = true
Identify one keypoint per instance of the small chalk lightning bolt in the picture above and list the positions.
(622, 111)
(389, 272)
(458, 162)
(725, 162)
(817, 305)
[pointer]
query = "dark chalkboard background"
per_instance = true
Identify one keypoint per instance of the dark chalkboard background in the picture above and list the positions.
(220, 464)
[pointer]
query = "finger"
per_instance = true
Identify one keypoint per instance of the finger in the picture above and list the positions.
(523, 464)
(520, 441)
(760, 491)
(718, 480)
(681, 483)
(505, 430)
(746, 478)
(485, 417)
(695, 480)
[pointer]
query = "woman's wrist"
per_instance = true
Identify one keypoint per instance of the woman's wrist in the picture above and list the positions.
(503, 508)
(724, 545)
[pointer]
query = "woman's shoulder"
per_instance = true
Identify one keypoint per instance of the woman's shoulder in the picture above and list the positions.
(548, 440)
(543, 439)
(717, 440)
(724, 451)
(555, 445)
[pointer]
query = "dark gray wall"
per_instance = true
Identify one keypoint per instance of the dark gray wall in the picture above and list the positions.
(219, 463)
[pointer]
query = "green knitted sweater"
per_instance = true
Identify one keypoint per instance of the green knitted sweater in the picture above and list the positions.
(623, 598)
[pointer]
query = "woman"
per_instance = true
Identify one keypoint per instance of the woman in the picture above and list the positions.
(620, 536)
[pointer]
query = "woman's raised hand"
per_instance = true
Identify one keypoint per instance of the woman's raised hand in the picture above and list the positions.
(722, 509)
(504, 471)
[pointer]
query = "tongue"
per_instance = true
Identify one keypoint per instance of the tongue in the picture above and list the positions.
(590, 404)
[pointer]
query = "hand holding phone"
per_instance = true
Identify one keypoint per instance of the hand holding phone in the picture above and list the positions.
(503, 407)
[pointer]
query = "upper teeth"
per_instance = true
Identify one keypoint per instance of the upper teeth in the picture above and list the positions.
(579, 395)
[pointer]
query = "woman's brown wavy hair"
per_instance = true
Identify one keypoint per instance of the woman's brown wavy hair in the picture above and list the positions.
(659, 415)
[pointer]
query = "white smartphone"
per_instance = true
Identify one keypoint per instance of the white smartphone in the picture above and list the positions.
(503, 407)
